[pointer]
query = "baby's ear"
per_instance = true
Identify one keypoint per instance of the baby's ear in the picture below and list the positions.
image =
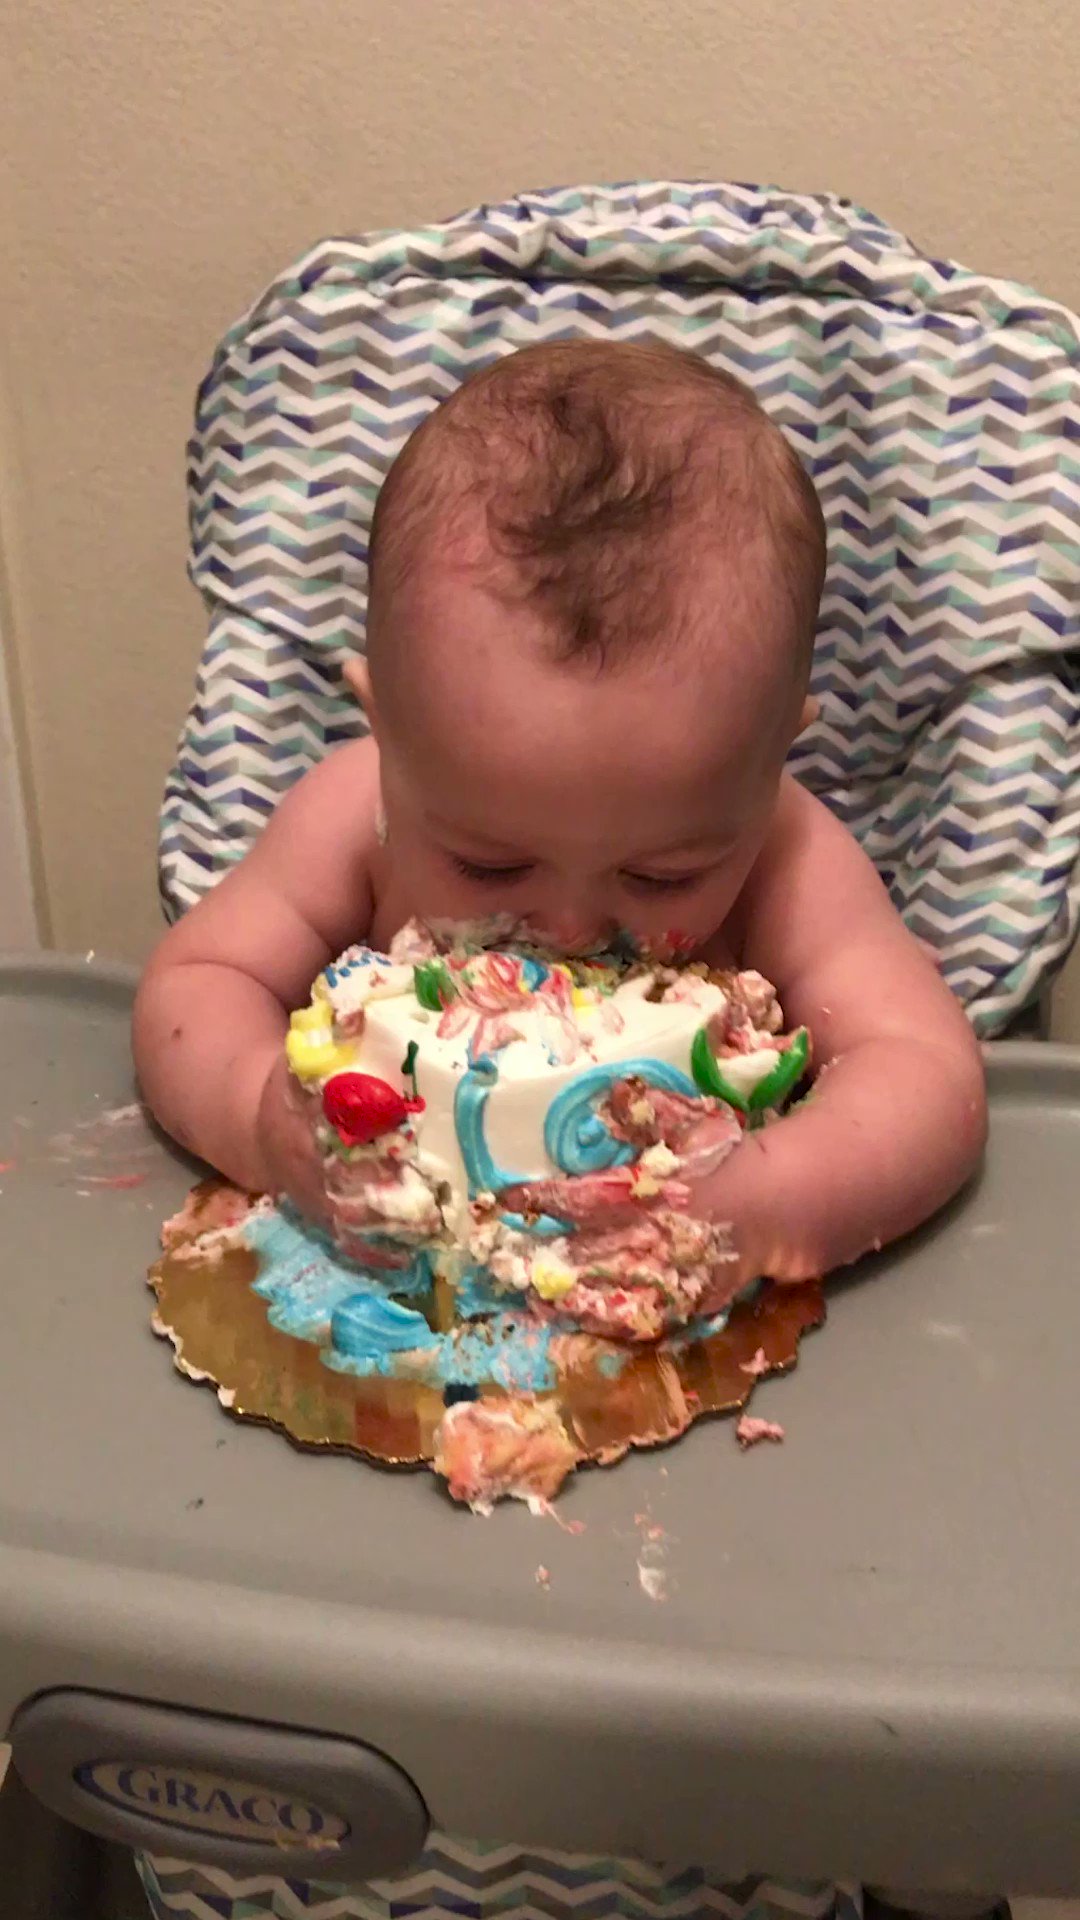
(810, 710)
(358, 678)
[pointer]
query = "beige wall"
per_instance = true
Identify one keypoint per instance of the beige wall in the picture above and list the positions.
(161, 161)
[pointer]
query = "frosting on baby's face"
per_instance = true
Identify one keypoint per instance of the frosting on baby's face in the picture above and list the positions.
(578, 799)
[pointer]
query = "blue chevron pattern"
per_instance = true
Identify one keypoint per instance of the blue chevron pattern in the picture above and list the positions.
(478, 1882)
(936, 410)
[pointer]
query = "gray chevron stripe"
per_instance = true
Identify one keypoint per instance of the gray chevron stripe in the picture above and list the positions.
(936, 410)
(456, 1877)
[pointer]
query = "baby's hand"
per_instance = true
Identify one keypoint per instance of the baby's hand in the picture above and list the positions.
(760, 1193)
(286, 1145)
(897, 1118)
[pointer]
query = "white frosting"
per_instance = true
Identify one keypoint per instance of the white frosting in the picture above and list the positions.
(743, 1071)
(440, 1077)
(527, 1082)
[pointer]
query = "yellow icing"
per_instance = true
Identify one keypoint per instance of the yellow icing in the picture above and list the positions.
(310, 1019)
(312, 1051)
(551, 1279)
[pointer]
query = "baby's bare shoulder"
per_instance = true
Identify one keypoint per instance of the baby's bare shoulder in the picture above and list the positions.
(304, 891)
(820, 923)
(813, 891)
(807, 844)
(320, 845)
(813, 897)
(807, 857)
(337, 799)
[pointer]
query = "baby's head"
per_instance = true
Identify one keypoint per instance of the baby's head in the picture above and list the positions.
(595, 573)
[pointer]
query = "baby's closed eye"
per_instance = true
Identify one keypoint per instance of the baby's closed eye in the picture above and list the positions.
(486, 874)
(508, 873)
(664, 882)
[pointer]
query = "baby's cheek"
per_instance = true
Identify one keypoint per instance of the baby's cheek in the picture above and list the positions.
(435, 891)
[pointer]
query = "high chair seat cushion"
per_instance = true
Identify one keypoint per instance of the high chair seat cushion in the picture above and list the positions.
(937, 411)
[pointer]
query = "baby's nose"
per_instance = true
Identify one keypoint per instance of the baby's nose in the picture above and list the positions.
(576, 930)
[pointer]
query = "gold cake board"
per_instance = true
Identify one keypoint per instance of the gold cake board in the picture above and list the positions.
(610, 1397)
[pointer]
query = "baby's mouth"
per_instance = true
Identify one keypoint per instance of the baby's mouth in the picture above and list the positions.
(574, 942)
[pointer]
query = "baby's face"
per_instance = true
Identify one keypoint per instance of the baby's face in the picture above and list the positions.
(580, 800)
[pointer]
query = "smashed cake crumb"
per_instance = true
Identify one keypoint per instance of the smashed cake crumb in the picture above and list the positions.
(755, 1367)
(750, 1431)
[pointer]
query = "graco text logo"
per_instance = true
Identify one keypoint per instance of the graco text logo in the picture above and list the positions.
(205, 1803)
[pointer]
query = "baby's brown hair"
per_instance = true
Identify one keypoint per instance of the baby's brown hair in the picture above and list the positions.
(600, 469)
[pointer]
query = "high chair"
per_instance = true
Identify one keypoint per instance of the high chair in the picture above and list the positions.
(865, 1665)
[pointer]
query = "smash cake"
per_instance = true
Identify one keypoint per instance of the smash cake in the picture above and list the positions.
(510, 1141)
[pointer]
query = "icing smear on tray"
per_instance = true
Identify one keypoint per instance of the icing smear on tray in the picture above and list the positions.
(509, 1141)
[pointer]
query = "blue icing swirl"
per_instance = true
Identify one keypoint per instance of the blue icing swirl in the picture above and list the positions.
(303, 1277)
(476, 1295)
(484, 1175)
(575, 1137)
(349, 1313)
(470, 1101)
(574, 1134)
(298, 1275)
(512, 1350)
(367, 1328)
(314, 1294)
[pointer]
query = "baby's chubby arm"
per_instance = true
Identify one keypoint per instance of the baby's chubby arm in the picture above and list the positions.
(212, 1008)
(897, 1120)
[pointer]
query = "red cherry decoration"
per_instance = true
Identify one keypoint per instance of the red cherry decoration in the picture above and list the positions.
(360, 1107)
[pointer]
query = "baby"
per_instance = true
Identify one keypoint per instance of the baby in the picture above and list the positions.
(595, 573)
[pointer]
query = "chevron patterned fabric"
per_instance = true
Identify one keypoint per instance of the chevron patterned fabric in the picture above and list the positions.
(477, 1882)
(938, 412)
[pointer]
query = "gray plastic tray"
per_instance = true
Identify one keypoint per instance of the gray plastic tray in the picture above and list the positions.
(868, 1660)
